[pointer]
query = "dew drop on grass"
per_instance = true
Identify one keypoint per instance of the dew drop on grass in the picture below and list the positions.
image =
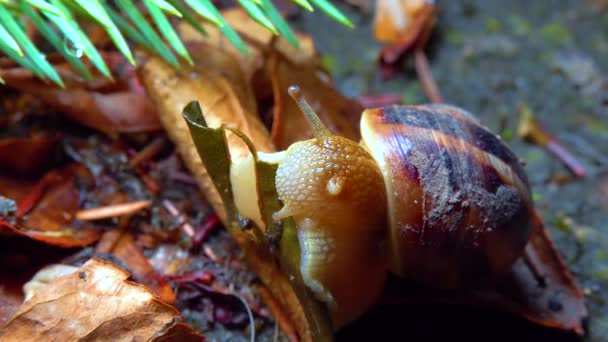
(73, 48)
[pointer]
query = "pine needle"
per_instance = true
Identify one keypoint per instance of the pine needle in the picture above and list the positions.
(57, 21)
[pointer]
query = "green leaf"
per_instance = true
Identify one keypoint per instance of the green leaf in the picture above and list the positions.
(187, 16)
(206, 10)
(148, 32)
(47, 32)
(45, 6)
(279, 22)
(333, 12)
(305, 4)
(9, 41)
(167, 7)
(256, 13)
(30, 50)
(213, 149)
(167, 30)
(98, 13)
(129, 30)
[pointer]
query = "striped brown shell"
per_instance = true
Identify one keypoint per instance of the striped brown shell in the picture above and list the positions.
(459, 200)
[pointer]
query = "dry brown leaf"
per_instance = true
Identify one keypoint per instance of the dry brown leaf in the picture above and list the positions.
(404, 25)
(49, 208)
(120, 111)
(257, 38)
(171, 91)
(340, 114)
(122, 245)
(35, 154)
(94, 303)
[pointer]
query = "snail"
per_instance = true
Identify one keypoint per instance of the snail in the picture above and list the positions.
(429, 194)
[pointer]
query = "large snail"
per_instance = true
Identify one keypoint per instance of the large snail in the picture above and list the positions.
(429, 194)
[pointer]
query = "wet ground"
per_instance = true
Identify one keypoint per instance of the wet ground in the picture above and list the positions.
(492, 57)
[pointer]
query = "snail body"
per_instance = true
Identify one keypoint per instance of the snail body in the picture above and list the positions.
(429, 194)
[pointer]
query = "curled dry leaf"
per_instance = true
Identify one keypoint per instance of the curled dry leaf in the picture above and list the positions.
(172, 90)
(340, 114)
(96, 302)
(404, 25)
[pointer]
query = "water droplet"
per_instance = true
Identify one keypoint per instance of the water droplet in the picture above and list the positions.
(194, 75)
(73, 48)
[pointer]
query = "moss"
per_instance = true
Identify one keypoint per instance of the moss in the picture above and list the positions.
(493, 25)
(519, 25)
(556, 34)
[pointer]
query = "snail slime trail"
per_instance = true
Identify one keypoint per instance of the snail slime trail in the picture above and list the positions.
(334, 190)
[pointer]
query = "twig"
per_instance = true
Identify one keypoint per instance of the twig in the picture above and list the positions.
(279, 314)
(181, 219)
(111, 210)
(530, 130)
(148, 152)
(426, 77)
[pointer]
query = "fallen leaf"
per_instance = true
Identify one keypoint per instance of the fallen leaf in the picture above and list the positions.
(52, 206)
(94, 303)
(403, 25)
(34, 154)
(172, 90)
(116, 111)
(257, 38)
(122, 245)
(340, 114)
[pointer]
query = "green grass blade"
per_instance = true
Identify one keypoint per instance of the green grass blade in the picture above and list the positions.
(30, 50)
(129, 30)
(333, 12)
(151, 36)
(188, 17)
(45, 7)
(226, 29)
(10, 42)
(279, 22)
(256, 13)
(95, 9)
(305, 4)
(167, 7)
(22, 60)
(45, 29)
(164, 26)
(74, 33)
(206, 10)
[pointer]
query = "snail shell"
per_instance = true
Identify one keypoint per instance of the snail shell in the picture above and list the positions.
(459, 201)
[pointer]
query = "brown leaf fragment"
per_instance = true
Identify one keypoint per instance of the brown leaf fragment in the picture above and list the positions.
(122, 245)
(340, 114)
(50, 211)
(258, 39)
(171, 90)
(120, 111)
(96, 302)
(33, 154)
(404, 25)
